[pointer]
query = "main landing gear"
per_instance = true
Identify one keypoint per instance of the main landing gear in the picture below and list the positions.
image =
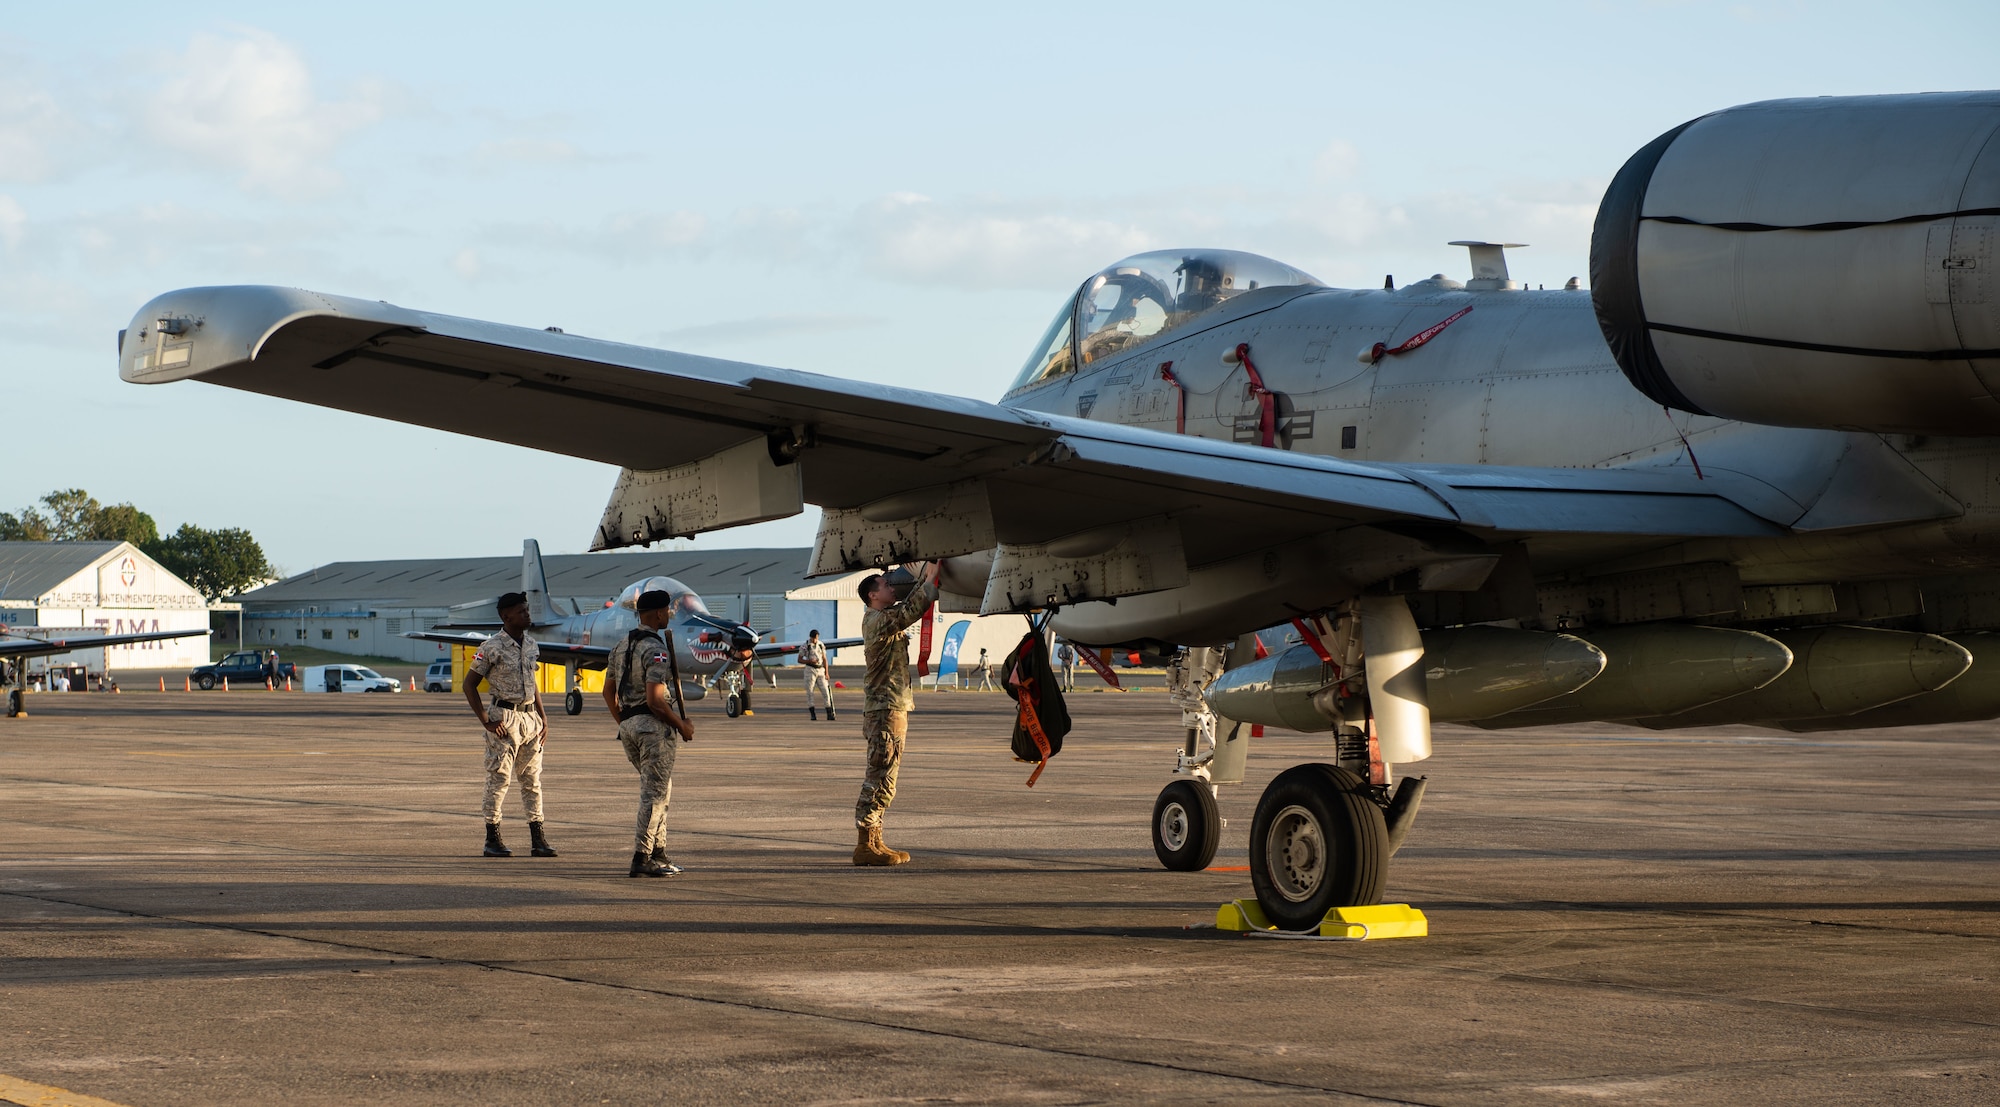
(1323, 834)
(573, 702)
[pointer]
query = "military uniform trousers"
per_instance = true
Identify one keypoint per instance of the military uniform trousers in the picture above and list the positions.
(651, 747)
(515, 753)
(818, 681)
(885, 731)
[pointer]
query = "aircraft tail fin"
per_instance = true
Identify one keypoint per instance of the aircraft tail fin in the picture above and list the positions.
(535, 583)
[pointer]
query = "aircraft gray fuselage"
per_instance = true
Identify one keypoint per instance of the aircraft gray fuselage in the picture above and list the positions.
(1525, 378)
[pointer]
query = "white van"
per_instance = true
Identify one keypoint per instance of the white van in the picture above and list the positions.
(345, 678)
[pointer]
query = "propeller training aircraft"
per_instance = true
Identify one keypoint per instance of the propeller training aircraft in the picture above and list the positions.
(1747, 477)
(712, 652)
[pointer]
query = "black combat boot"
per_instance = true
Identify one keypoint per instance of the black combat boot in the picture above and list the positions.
(829, 713)
(642, 865)
(494, 846)
(540, 846)
(660, 858)
(814, 712)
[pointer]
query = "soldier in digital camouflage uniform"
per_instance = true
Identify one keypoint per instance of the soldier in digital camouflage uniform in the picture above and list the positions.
(885, 709)
(639, 688)
(515, 725)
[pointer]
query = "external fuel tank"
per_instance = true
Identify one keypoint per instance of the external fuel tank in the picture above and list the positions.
(1660, 669)
(1836, 671)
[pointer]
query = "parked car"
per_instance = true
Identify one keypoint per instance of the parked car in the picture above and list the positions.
(437, 678)
(346, 678)
(237, 667)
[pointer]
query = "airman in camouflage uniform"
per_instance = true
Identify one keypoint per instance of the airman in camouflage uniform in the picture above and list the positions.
(885, 708)
(515, 725)
(640, 683)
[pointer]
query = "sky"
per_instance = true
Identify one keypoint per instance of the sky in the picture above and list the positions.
(890, 193)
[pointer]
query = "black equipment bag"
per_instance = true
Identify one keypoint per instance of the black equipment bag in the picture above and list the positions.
(1041, 719)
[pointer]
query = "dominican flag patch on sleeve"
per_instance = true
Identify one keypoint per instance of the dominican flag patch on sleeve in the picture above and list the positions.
(659, 658)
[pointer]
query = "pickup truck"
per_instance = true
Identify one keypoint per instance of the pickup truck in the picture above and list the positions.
(237, 668)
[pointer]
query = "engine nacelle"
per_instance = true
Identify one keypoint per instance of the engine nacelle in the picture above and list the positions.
(1819, 262)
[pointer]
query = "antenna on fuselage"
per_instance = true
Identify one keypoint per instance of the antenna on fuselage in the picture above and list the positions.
(1489, 264)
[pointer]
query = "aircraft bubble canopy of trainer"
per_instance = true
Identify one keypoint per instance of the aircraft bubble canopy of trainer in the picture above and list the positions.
(1134, 302)
(685, 601)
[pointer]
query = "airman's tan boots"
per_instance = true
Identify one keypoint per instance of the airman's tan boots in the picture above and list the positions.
(869, 850)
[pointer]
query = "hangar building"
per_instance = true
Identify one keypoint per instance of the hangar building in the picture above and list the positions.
(103, 588)
(364, 607)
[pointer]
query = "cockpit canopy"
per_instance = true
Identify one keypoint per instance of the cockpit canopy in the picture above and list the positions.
(1135, 301)
(685, 601)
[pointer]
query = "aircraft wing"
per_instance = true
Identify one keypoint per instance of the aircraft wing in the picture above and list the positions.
(1044, 476)
(37, 647)
(780, 649)
(475, 639)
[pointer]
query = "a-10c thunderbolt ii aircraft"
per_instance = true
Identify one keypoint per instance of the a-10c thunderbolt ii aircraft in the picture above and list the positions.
(712, 652)
(1747, 477)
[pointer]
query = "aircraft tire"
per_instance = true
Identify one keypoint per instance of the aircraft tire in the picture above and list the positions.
(732, 705)
(204, 682)
(1318, 841)
(573, 702)
(1187, 826)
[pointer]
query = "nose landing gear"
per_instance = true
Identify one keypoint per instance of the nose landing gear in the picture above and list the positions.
(1187, 825)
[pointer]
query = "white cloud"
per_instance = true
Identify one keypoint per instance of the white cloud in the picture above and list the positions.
(32, 129)
(466, 264)
(13, 220)
(912, 238)
(525, 151)
(1339, 161)
(246, 103)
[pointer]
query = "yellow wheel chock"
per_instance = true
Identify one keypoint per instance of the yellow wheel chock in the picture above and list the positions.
(1350, 924)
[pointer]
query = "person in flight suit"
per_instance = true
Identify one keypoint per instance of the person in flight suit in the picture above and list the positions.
(985, 671)
(639, 688)
(812, 655)
(885, 710)
(515, 725)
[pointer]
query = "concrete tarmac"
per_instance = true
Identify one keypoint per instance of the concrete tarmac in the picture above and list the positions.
(258, 896)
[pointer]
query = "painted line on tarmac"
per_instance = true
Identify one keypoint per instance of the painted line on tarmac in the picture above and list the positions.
(737, 1004)
(15, 1090)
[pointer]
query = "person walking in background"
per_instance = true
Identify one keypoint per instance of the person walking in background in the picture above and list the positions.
(1067, 655)
(985, 671)
(812, 655)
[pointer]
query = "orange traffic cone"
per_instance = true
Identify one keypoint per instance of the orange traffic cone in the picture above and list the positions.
(225, 684)
(187, 684)
(288, 684)
(267, 684)
(163, 684)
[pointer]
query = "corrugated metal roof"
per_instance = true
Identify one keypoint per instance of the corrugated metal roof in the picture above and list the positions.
(589, 579)
(29, 569)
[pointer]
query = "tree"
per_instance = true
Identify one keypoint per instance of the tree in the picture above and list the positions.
(75, 516)
(217, 563)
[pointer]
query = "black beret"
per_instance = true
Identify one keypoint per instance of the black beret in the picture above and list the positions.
(655, 600)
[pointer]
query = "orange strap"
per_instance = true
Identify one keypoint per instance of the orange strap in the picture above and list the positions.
(1035, 732)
